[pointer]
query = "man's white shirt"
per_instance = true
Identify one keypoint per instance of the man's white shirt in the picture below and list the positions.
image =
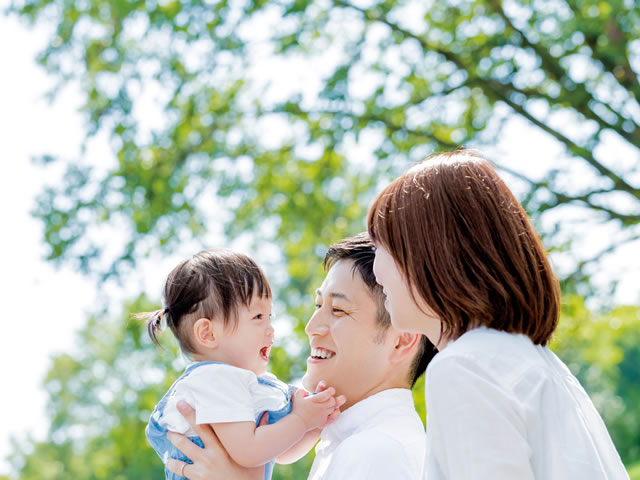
(500, 407)
(380, 437)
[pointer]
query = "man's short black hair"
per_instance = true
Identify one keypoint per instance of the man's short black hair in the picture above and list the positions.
(360, 250)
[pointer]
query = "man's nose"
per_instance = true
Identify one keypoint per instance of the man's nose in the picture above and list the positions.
(316, 324)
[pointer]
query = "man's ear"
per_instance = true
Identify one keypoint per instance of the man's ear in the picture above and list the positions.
(405, 346)
(204, 333)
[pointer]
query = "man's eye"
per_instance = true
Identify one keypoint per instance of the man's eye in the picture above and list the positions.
(338, 311)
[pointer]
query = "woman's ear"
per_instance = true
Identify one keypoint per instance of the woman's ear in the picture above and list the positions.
(204, 333)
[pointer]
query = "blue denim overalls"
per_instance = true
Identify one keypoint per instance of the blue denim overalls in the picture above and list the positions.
(157, 433)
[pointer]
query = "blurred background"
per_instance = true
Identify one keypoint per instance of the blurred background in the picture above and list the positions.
(136, 132)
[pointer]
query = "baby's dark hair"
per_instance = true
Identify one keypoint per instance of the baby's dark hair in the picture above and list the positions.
(213, 282)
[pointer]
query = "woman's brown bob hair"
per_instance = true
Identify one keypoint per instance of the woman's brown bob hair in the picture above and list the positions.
(467, 247)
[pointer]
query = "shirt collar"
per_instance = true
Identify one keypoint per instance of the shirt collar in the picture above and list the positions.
(365, 411)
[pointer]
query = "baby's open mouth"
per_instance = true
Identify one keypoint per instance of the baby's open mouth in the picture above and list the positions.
(321, 353)
(264, 352)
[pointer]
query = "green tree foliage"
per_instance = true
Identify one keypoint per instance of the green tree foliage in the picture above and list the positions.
(634, 472)
(603, 351)
(409, 77)
(99, 401)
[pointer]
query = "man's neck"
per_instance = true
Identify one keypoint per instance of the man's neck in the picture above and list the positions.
(386, 385)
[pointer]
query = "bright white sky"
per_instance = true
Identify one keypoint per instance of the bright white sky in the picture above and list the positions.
(42, 307)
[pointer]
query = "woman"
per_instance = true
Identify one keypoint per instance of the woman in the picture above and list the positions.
(461, 263)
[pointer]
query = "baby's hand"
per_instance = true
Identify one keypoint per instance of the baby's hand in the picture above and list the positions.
(314, 410)
(340, 400)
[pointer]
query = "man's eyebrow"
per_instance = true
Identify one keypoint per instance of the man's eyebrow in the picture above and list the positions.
(339, 295)
(333, 295)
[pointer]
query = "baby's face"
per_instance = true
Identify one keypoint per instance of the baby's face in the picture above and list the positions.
(249, 344)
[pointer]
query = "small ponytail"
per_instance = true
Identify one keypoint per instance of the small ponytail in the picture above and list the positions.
(154, 322)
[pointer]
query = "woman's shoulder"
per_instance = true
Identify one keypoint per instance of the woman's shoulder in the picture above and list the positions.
(483, 342)
(503, 356)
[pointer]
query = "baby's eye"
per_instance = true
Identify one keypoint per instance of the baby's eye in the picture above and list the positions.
(318, 306)
(258, 316)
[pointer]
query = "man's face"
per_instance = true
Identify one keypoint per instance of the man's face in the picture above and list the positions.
(348, 350)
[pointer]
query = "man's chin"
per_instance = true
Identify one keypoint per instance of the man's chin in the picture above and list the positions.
(311, 379)
(309, 383)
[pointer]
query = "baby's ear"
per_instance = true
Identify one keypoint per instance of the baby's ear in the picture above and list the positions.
(204, 333)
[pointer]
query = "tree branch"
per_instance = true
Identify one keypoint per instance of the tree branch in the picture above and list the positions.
(633, 137)
(373, 15)
(628, 79)
(550, 65)
(609, 249)
(562, 198)
(619, 182)
(368, 117)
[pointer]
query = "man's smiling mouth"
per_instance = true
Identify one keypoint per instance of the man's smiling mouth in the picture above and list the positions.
(321, 353)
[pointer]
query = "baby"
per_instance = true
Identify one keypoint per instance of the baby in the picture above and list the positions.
(218, 306)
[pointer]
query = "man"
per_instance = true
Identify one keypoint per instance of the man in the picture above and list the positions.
(354, 349)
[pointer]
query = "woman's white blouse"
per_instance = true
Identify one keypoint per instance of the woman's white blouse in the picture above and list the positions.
(500, 407)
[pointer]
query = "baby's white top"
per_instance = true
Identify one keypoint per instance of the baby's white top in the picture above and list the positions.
(221, 393)
(500, 407)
